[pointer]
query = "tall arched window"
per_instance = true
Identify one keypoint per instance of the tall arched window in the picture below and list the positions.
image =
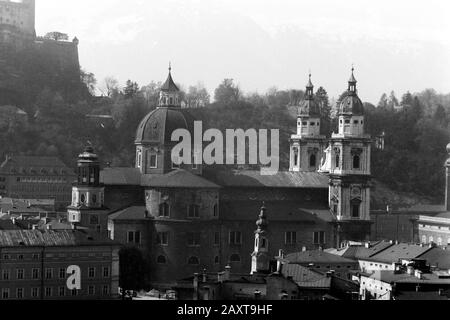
(164, 210)
(338, 161)
(296, 157)
(313, 161)
(356, 162)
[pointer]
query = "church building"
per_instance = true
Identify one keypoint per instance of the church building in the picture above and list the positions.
(190, 218)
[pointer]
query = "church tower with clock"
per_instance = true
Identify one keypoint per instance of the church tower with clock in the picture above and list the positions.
(348, 164)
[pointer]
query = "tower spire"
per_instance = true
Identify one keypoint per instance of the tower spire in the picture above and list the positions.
(309, 88)
(352, 82)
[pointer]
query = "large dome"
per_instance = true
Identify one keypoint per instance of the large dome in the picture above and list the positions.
(158, 125)
(351, 105)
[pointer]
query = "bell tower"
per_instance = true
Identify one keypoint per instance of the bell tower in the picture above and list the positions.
(348, 165)
(260, 256)
(307, 144)
(170, 94)
(87, 209)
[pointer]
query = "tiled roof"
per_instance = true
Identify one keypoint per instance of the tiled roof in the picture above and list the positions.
(131, 213)
(316, 256)
(364, 253)
(37, 238)
(177, 179)
(276, 211)
(26, 162)
(169, 85)
(397, 252)
(420, 296)
(391, 277)
(437, 257)
(306, 278)
(254, 179)
(8, 225)
(121, 176)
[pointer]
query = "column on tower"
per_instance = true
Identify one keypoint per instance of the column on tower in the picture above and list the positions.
(260, 256)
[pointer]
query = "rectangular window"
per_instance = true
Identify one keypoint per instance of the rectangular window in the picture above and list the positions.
(48, 273)
(162, 238)
(105, 272)
(62, 273)
(134, 237)
(62, 291)
(35, 274)
(355, 210)
(153, 161)
(193, 211)
(74, 293)
(91, 273)
(35, 292)
(48, 292)
(235, 238)
(319, 238)
(105, 290)
(19, 293)
(291, 238)
(91, 290)
(20, 274)
(5, 293)
(194, 239)
(6, 274)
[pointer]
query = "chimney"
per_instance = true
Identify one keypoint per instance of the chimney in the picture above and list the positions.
(368, 245)
(227, 274)
(447, 181)
(49, 227)
(34, 227)
(304, 249)
(13, 220)
(417, 288)
(441, 292)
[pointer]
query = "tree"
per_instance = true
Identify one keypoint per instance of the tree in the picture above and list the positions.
(57, 36)
(134, 269)
(393, 101)
(197, 96)
(131, 88)
(112, 86)
(227, 92)
(384, 103)
(88, 78)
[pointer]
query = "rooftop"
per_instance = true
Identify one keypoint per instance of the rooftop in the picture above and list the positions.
(317, 256)
(306, 278)
(38, 238)
(131, 213)
(398, 252)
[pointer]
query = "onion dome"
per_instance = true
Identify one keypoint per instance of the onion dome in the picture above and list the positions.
(351, 104)
(309, 107)
(262, 222)
(88, 155)
(158, 126)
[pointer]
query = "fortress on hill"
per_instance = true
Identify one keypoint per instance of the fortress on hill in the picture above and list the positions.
(22, 53)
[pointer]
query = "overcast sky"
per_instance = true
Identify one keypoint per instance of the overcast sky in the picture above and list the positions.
(394, 45)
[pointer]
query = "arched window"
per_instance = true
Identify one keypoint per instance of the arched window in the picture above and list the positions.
(171, 101)
(217, 260)
(338, 161)
(296, 157)
(431, 239)
(356, 162)
(439, 241)
(94, 199)
(164, 210)
(235, 258)
(161, 260)
(194, 261)
(83, 198)
(313, 161)
(216, 210)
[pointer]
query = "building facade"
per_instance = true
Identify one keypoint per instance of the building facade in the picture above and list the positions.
(187, 218)
(58, 265)
(26, 177)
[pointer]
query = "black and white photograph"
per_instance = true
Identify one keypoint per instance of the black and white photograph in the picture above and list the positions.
(254, 153)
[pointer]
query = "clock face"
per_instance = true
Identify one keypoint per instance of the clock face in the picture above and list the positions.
(356, 192)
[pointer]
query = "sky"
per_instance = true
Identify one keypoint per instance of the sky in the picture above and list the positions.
(395, 45)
